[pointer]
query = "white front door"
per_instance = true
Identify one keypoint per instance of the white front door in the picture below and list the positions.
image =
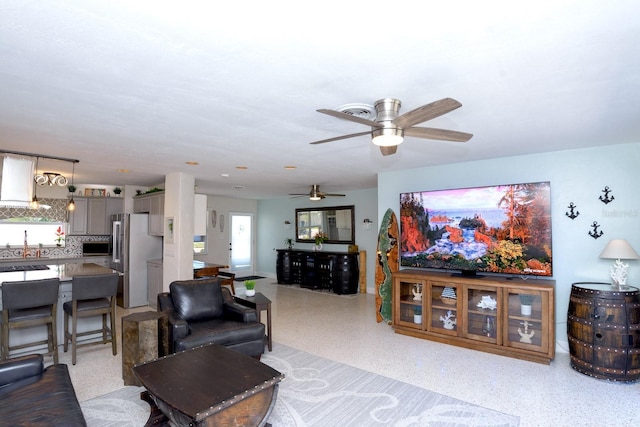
(241, 246)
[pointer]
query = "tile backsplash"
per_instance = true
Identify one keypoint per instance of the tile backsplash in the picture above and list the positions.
(72, 248)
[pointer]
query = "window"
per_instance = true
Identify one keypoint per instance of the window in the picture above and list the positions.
(200, 245)
(47, 234)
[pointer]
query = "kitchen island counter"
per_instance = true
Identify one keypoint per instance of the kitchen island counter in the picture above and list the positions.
(51, 260)
(64, 272)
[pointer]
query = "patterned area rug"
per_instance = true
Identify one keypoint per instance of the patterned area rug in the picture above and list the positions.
(320, 392)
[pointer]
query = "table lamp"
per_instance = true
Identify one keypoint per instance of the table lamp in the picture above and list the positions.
(619, 249)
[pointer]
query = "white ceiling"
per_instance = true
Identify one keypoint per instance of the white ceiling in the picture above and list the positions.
(147, 85)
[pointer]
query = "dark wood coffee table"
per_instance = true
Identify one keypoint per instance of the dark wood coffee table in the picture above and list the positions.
(209, 386)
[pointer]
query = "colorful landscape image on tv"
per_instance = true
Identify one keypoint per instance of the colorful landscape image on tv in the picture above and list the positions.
(503, 229)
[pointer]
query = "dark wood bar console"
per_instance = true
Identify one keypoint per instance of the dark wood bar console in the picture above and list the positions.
(336, 271)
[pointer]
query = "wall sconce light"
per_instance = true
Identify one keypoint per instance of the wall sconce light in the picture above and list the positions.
(287, 225)
(367, 223)
(619, 249)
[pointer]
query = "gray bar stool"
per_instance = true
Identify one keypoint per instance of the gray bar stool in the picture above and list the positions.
(26, 304)
(93, 295)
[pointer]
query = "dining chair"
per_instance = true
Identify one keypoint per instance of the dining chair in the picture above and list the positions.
(91, 296)
(26, 304)
(226, 279)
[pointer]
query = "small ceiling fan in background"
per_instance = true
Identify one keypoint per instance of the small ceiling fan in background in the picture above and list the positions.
(389, 129)
(316, 194)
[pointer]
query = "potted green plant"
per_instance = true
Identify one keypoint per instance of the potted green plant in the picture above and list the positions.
(251, 287)
(289, 243)
(417, 314)
(71, 188)
(117, 190)
(526, 300)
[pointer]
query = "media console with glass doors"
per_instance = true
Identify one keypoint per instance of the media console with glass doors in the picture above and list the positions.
(505, 316)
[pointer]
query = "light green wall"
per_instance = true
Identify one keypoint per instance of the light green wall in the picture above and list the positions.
(576, 176)
(217, 239)
(271, 231)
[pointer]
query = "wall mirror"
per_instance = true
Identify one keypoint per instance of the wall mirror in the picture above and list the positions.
(336, 221)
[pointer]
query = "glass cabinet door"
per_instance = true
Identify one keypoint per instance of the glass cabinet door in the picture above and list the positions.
(526, 319)
(481, 310)
(409, 303)
(443, 307)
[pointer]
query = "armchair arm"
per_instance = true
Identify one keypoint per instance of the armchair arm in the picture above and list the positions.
(240, 313)
(177, 327)
(13, 370)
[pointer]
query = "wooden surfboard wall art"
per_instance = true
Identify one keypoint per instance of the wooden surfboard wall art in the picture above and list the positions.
(387, 262)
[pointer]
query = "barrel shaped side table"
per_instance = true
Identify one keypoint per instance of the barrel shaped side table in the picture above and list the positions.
(603, 329)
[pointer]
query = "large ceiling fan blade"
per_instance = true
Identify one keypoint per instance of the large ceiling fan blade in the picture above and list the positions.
(426, 112)
(333, 195)
(388, 150)
(337, 138)
(351, 118)
(439, 134)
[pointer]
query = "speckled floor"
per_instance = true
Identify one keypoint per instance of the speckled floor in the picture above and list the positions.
(343, 328)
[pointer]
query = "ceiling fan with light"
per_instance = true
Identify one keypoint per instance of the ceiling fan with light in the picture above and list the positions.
(388, 129)
(316, 194)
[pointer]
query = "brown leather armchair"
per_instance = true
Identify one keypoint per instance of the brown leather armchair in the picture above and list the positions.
(203, 312)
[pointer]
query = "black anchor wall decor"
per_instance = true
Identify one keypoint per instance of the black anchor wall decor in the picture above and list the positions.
(595, 233)
(573, 213)
(606, 198)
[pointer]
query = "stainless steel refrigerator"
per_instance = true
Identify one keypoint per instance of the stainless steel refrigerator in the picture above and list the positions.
(132, 248)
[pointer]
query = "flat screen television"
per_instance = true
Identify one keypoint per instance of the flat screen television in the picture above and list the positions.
(502, 229)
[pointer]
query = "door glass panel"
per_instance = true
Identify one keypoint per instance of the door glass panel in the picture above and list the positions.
(241, 260)
(444, 307)
(482, 313)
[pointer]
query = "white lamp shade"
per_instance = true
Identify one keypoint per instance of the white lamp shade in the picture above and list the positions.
(619, 249)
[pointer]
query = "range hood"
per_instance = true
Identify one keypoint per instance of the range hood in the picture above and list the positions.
(16, 190)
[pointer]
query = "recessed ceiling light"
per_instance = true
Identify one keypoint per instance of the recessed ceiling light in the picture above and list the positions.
(224, 175)
(123, 170)
(290, 167)
(238, 187)
(242, 167)
(192, 163)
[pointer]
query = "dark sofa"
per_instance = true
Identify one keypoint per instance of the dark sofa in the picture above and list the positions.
(201, 312)
(31, 395)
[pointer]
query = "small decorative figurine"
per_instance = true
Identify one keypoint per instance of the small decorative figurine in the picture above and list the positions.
(449, 321)
(489, 328)
(417, 292)
(526, 335)
(488, 302)
(619, 273)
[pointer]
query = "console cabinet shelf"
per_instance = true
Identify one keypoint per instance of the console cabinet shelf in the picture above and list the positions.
(335, 271)
(513, 318)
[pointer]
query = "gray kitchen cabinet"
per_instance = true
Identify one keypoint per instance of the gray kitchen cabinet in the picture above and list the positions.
(153, 204)
(154, 281)
(78, 217)
(92, 215)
